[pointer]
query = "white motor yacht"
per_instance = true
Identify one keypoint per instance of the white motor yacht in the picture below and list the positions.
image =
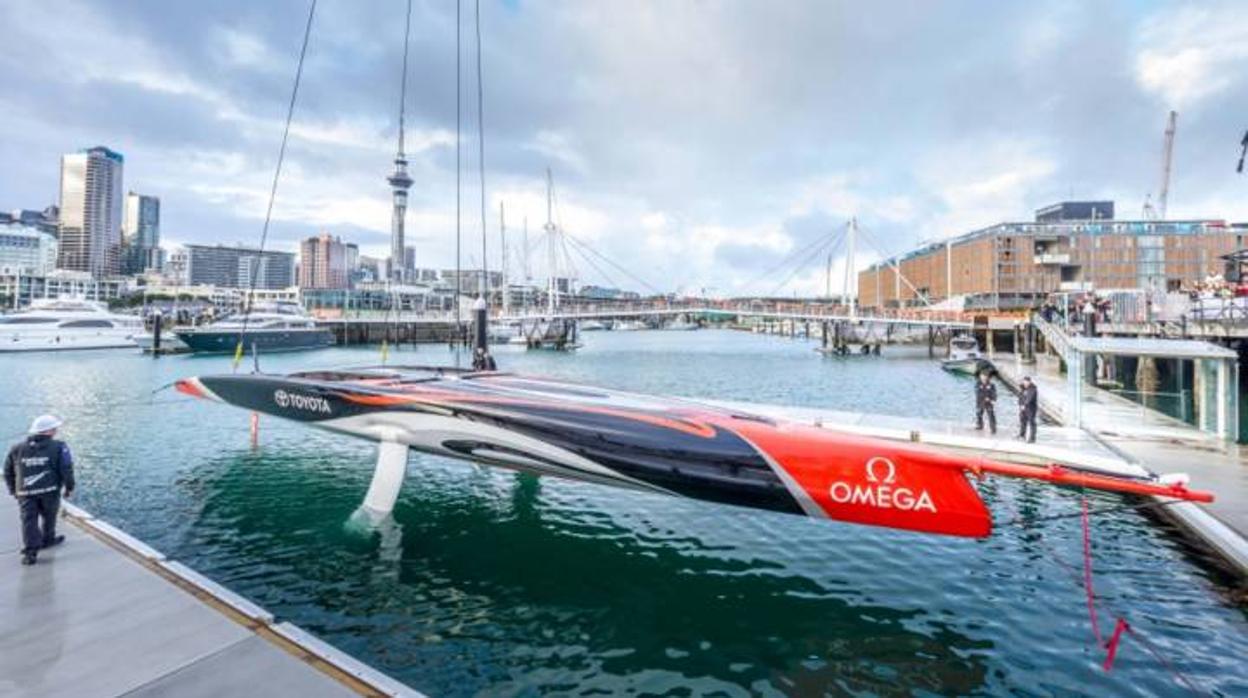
(67, 323)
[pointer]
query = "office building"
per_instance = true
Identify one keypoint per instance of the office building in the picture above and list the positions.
(91, 212)
(235, 267)
(140, 234)
(26, 250)
(323, 263)
(45, 221)
(1018, 265)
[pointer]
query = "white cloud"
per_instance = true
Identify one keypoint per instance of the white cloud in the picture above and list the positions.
(1189, 54)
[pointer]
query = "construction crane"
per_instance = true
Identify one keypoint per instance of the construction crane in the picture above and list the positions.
(1243, 150)
(1167, 158)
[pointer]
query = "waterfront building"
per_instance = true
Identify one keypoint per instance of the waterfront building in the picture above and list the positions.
(91, 212)
(469, 279)
(140, 234)
(234, 267)
(18, 290)
(375, 299)
(323, 262)
(1018, 265)
(45, 221)
(26, 250)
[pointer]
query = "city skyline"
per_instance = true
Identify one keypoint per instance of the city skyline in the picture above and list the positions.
(696, 145)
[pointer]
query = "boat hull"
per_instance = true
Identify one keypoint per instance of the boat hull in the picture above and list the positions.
(663, 445)
(967, 367)
(226, 341)
(67, 340)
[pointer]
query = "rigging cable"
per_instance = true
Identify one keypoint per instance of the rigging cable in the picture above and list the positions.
(277, 173)
(485, 260)
(458, 179)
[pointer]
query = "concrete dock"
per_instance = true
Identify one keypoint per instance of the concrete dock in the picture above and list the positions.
(105, 615)
(1158, 443)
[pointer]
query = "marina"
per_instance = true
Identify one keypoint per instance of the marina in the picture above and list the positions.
(802, 381)
(272, 525)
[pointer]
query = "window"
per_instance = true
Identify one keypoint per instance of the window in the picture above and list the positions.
(26, 321)
(87, 323)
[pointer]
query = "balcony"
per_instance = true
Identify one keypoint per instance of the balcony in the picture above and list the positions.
(1052, 258)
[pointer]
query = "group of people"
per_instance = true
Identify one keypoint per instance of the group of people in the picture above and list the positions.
(1216, 286)
(986, 406)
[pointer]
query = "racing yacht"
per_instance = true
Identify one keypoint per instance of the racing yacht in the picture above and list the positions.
(729, 454)
(266, 327)
(67, 323)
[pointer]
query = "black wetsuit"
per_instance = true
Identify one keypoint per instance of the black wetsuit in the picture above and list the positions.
(34, 472)
(985, 403)
(1028, 406)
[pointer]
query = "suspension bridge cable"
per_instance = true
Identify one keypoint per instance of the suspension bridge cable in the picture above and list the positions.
(277, 174)
(575, 241)
(816, 255)
(485, 260)
(789, 259)
(589, 260)
(896, 267)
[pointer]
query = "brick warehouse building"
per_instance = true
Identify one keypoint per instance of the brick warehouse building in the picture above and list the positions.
(1071, 247)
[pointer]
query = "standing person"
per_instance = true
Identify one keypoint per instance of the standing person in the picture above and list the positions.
(1028, 406)
(35, 471)
(985, 402)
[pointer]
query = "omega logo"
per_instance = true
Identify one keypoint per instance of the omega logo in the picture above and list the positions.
(879, 490)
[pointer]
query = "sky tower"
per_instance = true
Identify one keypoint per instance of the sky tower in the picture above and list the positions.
(399, 181)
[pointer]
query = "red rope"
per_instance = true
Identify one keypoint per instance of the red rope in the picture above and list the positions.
(1121, 627)
(1087, 574)
(1111, 649)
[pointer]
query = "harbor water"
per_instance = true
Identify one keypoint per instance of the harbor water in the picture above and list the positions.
(491, 583)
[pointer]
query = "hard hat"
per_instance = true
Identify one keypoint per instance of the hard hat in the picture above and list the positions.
(44, 423)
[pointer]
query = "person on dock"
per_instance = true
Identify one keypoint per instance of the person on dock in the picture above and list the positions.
(35, 471)
(1028, 406)
(985, 402)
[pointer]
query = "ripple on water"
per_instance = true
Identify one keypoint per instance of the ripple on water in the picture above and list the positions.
(490, 583)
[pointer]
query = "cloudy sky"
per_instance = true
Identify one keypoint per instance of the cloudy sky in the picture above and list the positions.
(695, 144)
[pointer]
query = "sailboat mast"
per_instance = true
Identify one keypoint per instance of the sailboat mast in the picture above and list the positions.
(551, 287)
(502, 231)
(849, 266)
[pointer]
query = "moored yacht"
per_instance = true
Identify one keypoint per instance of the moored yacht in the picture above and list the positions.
(67, 323)
(267, 327)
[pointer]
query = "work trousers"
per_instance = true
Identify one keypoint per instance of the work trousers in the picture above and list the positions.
(33, 509)
(980, 411)
(1027, 419)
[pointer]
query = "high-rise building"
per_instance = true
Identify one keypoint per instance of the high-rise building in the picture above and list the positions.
(235, 267)
(140, 234)
(91, 203)
(323, 262)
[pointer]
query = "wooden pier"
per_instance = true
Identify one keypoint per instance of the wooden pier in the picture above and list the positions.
(104, 615)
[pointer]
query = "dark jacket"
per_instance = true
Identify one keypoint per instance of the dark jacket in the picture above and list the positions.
(985, 394)
(38, 465)
(1028, 399)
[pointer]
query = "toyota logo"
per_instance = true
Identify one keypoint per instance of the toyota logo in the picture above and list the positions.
(281, 398)
(878, 465)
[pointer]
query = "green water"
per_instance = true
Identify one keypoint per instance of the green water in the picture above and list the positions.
(492, 583)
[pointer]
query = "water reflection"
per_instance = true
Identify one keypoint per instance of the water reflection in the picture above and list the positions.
(537, 593)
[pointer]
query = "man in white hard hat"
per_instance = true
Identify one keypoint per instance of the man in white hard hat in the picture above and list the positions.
(35, 471)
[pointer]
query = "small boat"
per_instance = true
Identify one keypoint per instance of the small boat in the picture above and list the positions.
(964, 357)
(67, 323)
(267, 327)
(169, 342)
(680, 325)
(592, 326)
(674, 446)
(502, 334)
(629, 326)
